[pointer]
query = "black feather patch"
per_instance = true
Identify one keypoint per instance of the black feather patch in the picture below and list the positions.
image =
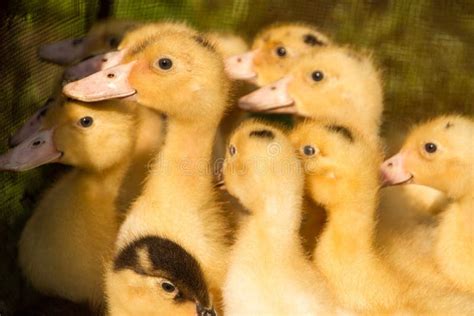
(264, 133)
(342, 131)
(203, 42)
(312, 40)
(169, 260)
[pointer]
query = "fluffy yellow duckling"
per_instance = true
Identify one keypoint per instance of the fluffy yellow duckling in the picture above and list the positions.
(269, 273)
(178, 203)
(73, 228)
(333, 83)
(102, 37)
(342, 175)
(439, 154)
(274, 51)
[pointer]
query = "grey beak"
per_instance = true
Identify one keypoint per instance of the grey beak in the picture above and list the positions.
(205, 311)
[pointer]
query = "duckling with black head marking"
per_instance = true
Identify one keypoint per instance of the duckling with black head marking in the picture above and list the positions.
(161, 270)
(341, 174)
(269, 273)
(274, 51)
(178, 202)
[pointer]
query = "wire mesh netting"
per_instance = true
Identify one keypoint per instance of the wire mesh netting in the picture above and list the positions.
(424, 48)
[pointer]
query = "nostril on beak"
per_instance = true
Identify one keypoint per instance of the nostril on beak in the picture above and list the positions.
(104, 60)
(111, 75)
(273, 88)
(239, 60)
(37, 143)
(390, 164)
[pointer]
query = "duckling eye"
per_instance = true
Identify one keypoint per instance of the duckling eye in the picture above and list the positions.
(309, 150)
(431, 148)
(86, 121)
(168, 287)
(317, 75)
(281, 51)
(165, 63)
(113, 41)
(232, 150)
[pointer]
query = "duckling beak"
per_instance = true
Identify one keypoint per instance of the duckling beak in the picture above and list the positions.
(103, 85)
(240, 67)
(93, 65)
(29, 128)
(35, 151)
(205, 311)
(394, 172)
(63, 52)
(273, 98)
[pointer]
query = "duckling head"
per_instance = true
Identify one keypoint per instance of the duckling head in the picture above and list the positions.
(333, 83)
(260, 163)
(132, 37)
(156, 276)
(178, 74)
(102, 37)
(274, 51)
(77, 134)
(336, 160)
(437, 153)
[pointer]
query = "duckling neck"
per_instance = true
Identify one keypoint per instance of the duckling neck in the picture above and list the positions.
(351, 223)
(279, 218)
(183, 168)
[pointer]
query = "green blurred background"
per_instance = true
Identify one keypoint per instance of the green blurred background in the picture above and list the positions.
(425, 49)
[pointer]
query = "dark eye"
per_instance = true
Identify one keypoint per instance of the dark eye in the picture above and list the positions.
(309, 150)
(281, 51)
(168, 287)
(232, 150)
(430, 148)
(113, 42)
(165, 63)
(317, 75)
(86, 121)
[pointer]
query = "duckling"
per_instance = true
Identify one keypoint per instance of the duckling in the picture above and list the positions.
(274, 51)
(438, 154)
(178, 202)
(73, 228)
(333, 83)
(269, 273)
(132, 37)
(333, 156)
(102, 37)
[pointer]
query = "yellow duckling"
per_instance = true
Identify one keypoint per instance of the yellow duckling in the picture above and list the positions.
(178, 203)
(269, 273)
(274, 51)
(73, 228)
(342, 175)
(439, 154)
(333, 83)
